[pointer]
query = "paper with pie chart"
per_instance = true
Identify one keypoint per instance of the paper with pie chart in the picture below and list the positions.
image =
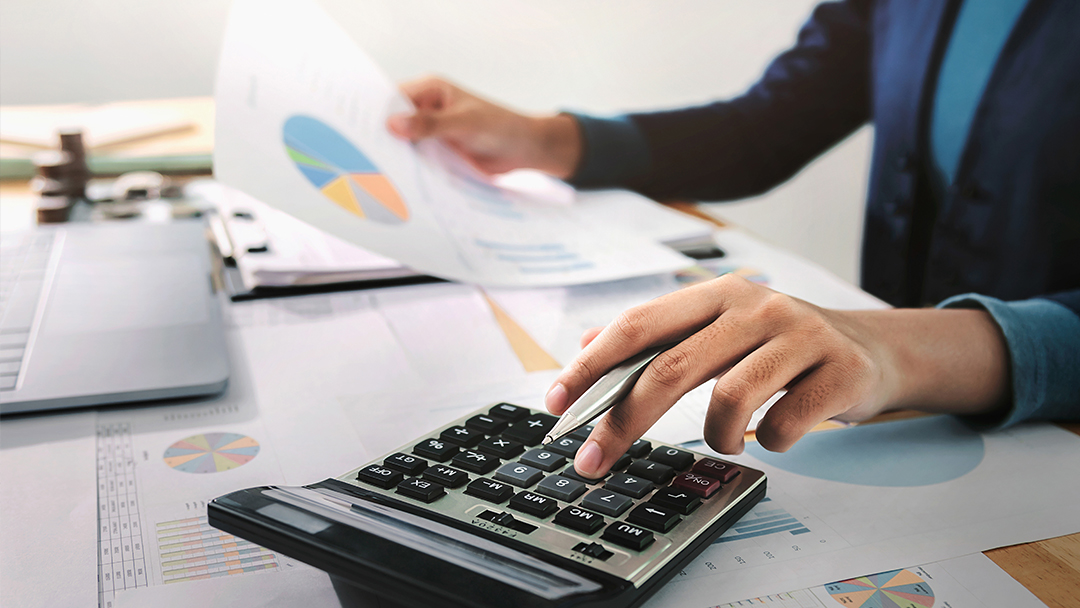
(301, 126)
(341, 172)
(971, 581)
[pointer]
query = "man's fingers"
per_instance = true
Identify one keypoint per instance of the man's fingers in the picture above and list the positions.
(666, 319)
(426, 124)
(590, 335)
(747, 386)
(429, 93)
(671, 375)
(824, 393)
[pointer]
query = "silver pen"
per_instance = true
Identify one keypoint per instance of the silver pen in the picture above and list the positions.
(605, 394)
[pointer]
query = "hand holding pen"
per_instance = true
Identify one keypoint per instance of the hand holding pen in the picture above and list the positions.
(848, 365)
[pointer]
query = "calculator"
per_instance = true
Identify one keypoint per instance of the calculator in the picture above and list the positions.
(479, 513)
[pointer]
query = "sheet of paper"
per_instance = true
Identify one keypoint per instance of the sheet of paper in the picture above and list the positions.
(640, 215)
(301, 126)
(291, 588)
(878, 497)
(972, 581)
(159, 466)
(48, 538)
(386, 421)
(380, 349)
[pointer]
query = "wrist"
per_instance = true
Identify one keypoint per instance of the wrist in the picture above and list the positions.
(947, 361)
(558, 145)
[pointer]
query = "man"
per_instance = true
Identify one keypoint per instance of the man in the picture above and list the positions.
(975, 189)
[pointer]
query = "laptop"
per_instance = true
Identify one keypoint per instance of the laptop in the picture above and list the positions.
(108, 313)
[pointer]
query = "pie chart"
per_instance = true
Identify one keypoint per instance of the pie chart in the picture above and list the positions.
(341, 171)
(211, 452)
(894, 589)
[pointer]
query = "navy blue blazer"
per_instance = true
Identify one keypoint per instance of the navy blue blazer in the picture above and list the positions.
(1009, 227)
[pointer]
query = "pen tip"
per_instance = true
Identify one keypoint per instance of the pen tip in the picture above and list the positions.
(548, 439)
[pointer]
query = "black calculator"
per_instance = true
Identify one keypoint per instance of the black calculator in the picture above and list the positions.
(479, 513)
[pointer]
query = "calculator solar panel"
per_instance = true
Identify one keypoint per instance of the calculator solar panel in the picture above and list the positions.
(479, 513)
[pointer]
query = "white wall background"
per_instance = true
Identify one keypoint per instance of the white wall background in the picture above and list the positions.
(594, 55)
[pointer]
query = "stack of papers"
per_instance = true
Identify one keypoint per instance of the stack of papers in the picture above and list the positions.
(273, 249)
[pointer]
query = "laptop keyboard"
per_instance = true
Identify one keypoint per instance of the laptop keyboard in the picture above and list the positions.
(24, 260)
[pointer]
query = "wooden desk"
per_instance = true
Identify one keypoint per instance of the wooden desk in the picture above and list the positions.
(1050, 568)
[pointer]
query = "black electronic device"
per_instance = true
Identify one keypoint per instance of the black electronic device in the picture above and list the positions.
(477, 513)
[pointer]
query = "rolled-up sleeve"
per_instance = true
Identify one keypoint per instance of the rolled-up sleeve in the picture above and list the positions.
(1043, 340)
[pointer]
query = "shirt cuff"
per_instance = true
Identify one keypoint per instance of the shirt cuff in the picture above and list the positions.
(1043, 339)
(615, 152)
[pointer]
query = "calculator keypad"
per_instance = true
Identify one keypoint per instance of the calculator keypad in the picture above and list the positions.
(494, 457)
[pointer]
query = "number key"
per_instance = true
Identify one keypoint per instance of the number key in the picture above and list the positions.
(561, 488)
(634, 487)
(606, 502)
(543, 459)
(674, 458)
(521, 475)
(566, 446)
(653, 471)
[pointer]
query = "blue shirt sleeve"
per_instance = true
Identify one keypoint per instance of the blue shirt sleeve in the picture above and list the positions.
(1043, 339)
(615, 151)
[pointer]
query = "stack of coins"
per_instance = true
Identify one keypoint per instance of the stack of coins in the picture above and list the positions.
(61, 177)
(71, 141)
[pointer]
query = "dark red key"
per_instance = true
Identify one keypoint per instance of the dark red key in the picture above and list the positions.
(717, 469)
(696, 484)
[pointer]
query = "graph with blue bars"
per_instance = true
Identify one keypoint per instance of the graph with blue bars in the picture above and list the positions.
(765, 519)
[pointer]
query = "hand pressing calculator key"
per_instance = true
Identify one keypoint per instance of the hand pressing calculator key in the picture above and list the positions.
(479, 513)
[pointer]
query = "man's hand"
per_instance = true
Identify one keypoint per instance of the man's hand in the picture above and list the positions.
(847, 365)
(493, 138)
